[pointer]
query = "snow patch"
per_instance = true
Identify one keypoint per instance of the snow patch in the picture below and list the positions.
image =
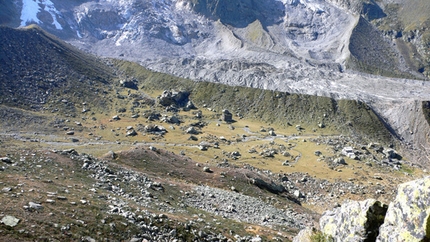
(30, 9)
(50, 8)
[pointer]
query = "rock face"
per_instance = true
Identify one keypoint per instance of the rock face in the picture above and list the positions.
(405, 219)
(354, 221)
(408, 216)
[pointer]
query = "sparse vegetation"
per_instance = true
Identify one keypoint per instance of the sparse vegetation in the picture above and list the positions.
(318, 236)
(67, 148)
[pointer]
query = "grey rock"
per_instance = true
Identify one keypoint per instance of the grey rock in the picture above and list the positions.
(6, 160)
(112, 154)
(305, 235)
(6, 189)
(192, 130)
(10, 221)
(408, 215)
(354, 221)
(339, 161)
(35, 206)
(131, 133)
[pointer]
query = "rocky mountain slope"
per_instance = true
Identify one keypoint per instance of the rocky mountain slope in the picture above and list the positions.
(95, 149)
(309, 47)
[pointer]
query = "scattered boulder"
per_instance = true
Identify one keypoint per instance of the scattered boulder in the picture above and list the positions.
(203, 146)
(112, 154)
(171, 119)
(70, 132)
(168, 98)
(190, 105)
(6, 160)
(298, 194)
(129, 84)
(131, 133)
(154, 129)
(193, 138)
(35, 206)
(10, 221)
(354, 221)
(192, 130)
(272, 133)
(267, 185)
(348, 152)
(408, 217)
(151, 116)
(227, 116)
(116, 118)
(339, 161)
(391, 154)
(207, 169)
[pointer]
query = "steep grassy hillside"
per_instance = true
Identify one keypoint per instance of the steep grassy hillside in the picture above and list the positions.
(284, 109)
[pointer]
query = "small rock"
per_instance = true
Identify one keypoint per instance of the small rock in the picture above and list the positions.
(36, 206)
(131, 132)
(10, 221)
(7, 189)
(207, 169)
(6, 160)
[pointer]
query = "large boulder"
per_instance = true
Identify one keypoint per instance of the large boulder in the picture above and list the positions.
(408, 217)
(354, 221)
(227, 116)
(168, 98)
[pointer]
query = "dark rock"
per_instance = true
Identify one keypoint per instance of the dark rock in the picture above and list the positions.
(6, 160)
(227, 116)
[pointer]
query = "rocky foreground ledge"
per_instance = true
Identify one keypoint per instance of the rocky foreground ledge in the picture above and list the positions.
(407, 218)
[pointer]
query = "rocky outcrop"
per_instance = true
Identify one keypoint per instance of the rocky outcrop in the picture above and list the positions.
(405, 219)
(173, 98)
(408, 216)
(354, 221)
